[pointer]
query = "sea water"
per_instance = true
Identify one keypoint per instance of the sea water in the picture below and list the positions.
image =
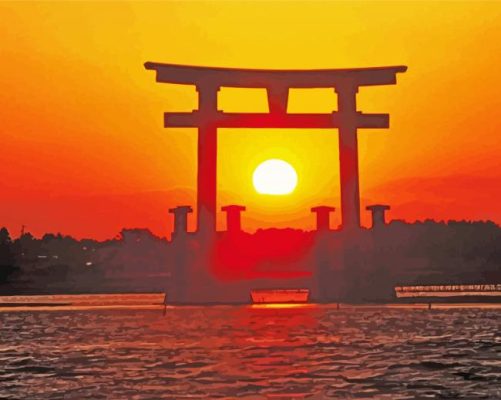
(93, 351)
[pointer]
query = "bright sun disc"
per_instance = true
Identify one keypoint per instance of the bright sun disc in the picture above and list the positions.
(275, 177)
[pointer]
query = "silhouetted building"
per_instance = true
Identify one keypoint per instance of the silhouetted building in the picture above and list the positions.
(180, 219)
(378, 212)
(323, 217)
(233, 219)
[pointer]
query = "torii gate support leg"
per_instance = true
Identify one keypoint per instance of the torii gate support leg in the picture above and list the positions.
(348, 157)
(207, 160)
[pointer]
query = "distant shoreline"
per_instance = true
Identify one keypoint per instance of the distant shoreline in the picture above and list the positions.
(142, 300)
(14, 305)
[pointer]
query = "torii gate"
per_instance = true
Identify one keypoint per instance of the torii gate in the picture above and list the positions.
(208, 118)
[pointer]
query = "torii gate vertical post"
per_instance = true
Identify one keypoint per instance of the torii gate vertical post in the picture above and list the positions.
(208, 119)
(207, 158)
(348, 155)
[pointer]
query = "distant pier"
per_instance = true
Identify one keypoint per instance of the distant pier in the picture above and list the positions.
(448, 290)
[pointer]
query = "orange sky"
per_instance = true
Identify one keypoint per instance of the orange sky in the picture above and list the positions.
(83, 147)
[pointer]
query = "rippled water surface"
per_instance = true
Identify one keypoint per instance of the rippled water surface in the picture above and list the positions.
(227, 352)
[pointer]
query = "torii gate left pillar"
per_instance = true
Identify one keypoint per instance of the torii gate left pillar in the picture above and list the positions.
(207, 159)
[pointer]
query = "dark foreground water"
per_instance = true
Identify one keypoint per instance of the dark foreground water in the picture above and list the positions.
(228, 352)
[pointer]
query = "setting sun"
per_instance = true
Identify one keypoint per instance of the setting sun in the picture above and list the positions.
(275, 177)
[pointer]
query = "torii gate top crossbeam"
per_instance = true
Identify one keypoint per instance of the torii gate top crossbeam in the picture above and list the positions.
(260, 78)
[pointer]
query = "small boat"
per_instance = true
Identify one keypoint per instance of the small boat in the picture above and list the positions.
(267, 296)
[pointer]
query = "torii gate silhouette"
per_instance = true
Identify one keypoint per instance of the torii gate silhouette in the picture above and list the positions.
(208, 118)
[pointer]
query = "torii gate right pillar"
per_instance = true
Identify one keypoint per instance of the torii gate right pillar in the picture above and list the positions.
(348, 156)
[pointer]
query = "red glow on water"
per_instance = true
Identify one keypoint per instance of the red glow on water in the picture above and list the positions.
(270, 253)
(284, 305)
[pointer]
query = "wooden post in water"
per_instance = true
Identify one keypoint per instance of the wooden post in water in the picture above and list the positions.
(165, 305)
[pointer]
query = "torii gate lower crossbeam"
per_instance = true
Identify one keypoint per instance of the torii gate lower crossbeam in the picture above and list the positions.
(207, 119)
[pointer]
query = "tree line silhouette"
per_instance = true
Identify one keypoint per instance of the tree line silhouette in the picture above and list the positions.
(429, 252)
